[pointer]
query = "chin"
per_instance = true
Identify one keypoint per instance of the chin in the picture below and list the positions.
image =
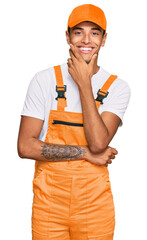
(87, 60)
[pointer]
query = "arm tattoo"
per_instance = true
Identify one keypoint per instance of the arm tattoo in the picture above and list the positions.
(55, 153)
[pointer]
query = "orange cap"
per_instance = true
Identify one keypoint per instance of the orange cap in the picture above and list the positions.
(87, 12)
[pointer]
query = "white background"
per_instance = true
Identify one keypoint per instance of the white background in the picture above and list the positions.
(32, 39)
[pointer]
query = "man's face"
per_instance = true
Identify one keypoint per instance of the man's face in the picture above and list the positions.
(88, 38)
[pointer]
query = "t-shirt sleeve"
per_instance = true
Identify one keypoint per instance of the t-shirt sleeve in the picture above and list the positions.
(35, 100)
(118, 99)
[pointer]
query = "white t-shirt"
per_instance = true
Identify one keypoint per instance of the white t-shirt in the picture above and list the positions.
(41, 94)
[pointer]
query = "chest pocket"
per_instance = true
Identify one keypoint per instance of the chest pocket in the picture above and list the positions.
(65, 128)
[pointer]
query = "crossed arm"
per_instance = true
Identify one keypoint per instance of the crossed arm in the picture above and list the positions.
(30, 147)
(99, 130)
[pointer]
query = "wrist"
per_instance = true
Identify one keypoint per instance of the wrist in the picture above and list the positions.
(86, 153)
(85, 84)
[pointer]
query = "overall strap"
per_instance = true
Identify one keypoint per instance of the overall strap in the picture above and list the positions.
(60, 89)
(103, 92)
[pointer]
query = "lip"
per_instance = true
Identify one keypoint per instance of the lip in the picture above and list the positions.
(86, 50)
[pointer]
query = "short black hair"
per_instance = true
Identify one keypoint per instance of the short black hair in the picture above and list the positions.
(70, 29)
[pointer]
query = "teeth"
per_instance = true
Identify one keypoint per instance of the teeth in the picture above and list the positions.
(86, 49)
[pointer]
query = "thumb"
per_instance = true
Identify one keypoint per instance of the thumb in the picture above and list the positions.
(93, 59)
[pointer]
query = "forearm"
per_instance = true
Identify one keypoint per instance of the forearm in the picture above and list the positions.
(41, 151)
(95, 130)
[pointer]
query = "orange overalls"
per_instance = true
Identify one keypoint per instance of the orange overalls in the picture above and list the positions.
(72, 199)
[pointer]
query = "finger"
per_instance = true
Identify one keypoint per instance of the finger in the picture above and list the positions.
(75, 52)
(109, 161)
(70, 70)
(93, 60)
(113, 151)
(72, 55)
(69, 60)
(112, 156)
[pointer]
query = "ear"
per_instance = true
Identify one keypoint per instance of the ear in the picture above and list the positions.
(104, 39)
(67, 37)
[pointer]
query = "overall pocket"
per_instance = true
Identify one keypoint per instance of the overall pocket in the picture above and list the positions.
(106, 181)
(38, 174)
(68, 132)
(66, 128)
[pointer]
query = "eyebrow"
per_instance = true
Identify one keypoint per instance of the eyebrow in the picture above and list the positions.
(97, 28)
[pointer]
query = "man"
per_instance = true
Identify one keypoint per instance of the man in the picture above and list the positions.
(70, 115)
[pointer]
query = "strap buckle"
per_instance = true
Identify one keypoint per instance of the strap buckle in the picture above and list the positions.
(101, 95)
(60, 92)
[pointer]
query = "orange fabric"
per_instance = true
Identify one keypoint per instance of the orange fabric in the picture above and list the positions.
(61, 101)
(106, 86)
(87, 12)
(72, 199)
(72, 202)
(108, 83)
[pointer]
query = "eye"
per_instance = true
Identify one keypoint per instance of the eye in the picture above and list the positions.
(77, 32)
(95, 33)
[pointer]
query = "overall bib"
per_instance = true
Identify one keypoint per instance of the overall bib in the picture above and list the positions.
(72, 199)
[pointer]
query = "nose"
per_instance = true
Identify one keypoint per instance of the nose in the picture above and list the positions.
(86, 38)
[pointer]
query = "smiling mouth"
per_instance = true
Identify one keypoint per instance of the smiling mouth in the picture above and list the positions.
(85, 49)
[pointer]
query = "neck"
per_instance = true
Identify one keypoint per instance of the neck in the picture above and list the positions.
(95, 66)
(96, 69)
